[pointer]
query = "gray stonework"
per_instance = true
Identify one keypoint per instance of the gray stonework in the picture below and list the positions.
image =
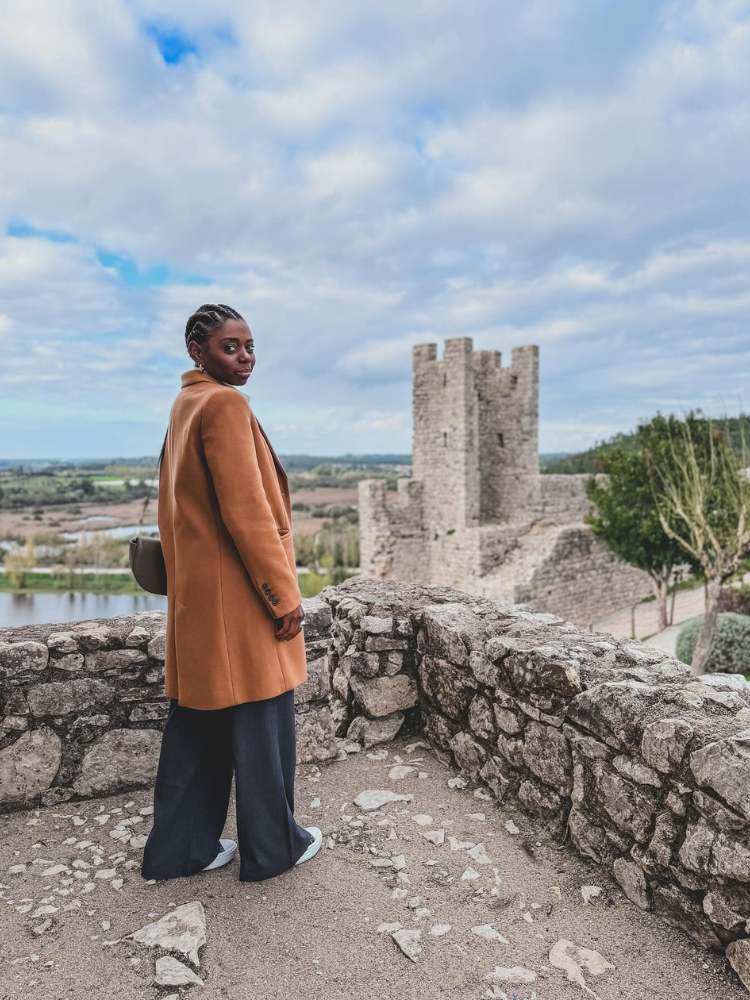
(476, 514)
(82, 706)
(615, 747)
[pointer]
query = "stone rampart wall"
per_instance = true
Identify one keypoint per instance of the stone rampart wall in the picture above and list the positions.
(564, 497)
(82, 706)
(643, 767)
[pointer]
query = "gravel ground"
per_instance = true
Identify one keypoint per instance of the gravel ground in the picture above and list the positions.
(329, 927)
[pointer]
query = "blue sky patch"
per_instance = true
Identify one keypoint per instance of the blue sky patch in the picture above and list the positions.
(173, 44)
(158, 274)
(23, 230)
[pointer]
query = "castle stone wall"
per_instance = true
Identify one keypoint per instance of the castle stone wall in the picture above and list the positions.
(477, 514)
(617, 747)
(564, 497)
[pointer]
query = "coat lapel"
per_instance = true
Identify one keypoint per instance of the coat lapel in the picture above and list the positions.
(196, 375)
(276, 460)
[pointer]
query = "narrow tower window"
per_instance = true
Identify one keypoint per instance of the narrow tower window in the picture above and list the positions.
(501, 440)
(445, 439)
(445, 379)
(513, 381)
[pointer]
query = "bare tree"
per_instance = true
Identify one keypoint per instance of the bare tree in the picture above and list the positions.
(703, 501)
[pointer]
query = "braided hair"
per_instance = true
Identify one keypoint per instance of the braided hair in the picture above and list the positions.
(205, 320)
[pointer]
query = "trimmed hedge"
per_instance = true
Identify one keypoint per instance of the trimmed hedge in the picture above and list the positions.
(730, 646)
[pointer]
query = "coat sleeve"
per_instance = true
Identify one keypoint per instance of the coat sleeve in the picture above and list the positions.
(229, 447)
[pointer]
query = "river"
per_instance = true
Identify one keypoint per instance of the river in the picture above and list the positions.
(34, 608)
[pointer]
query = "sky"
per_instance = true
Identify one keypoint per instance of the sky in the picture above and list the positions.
(357, 178)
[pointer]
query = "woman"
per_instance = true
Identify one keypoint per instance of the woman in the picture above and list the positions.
(235, 650)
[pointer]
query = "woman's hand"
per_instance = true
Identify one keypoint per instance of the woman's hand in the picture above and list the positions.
(291, 623)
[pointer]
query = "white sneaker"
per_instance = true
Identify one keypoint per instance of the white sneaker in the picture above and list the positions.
(224, 856)
(313, 848)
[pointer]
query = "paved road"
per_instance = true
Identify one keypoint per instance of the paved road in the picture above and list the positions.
(316, 932)
(688, 603)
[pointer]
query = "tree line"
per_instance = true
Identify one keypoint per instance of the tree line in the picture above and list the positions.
(676, 495)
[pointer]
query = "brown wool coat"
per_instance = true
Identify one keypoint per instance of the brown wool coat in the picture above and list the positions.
(225, 523)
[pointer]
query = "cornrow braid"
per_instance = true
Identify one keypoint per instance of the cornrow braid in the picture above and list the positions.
(207, 318)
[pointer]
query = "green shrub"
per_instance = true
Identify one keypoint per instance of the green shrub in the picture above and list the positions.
(730, 646)
(735, 599)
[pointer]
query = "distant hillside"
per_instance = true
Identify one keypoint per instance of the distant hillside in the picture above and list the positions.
(300, 463)
(584, 462)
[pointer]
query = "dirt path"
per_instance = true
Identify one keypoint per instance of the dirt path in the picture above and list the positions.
(324, 929)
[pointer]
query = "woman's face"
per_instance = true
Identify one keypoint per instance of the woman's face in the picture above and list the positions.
(228, 354)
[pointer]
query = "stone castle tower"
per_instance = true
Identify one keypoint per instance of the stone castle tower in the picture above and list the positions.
(476, 513)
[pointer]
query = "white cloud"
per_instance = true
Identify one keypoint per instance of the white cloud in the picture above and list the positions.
(356, 180)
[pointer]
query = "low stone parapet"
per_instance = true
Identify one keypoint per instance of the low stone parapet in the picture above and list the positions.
(612, 746)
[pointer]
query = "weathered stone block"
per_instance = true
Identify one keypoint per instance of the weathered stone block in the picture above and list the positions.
(28, 766)
(315, 735)
(540, 800)
(659, 851)
(138, 636)
(679, 909)
(22, 661)
(63, 697)
(589, 838)
(469, 754)
(492, 773)
(370, 732)
(724, 767)
(87, 727)
(449, 687)
(361, 663)
(615, 711)
(437, 729)
(543, 670)
(121, 759)
(547, 755)
(633, 882)
(738, 953)
(391, 662)
(510, 749)
(664, 743)
(443, 626)
(727, 908)
(509, 721)
(157, 646)
(481, 720)
(377, 626)
(70, 663)
(378, 696)
(626, 805)
(718, 814)
(498, 647)
(149, 711)
(317, 687)
(636, 771)
(318, 621)
(587, 746)
(380, 643)
(114, 659)
(93, 635)
(62, 642)
(483, 668)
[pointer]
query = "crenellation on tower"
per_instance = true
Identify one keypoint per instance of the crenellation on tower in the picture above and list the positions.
(476, 512)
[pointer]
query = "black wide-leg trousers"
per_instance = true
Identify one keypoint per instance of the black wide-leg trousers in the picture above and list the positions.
(200, 751)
